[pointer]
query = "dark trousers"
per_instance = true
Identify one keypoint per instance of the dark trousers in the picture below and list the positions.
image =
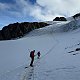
(32, 60)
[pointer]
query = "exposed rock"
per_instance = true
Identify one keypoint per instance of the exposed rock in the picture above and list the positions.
(60, 19)
(1, 37)
(77, 49)
(17, 30)
(76, 15)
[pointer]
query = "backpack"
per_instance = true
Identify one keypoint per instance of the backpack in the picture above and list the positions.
(38, 53)
(31, 54)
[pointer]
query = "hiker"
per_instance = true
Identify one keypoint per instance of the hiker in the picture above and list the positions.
(38, 54)
(32, 57)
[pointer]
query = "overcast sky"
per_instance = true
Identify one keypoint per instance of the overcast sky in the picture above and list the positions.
(36, 10)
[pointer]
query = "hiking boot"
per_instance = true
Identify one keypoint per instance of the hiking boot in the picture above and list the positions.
(31, 65)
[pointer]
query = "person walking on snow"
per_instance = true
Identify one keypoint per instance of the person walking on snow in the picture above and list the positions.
(32, 57)
(38, 54)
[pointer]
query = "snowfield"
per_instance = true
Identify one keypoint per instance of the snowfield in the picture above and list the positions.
(59, 59)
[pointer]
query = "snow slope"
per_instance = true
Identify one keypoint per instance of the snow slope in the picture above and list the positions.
(56, 63)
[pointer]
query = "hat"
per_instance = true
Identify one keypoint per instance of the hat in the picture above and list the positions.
(34, 50)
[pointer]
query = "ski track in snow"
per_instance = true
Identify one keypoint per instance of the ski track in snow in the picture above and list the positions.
(64, 73)
(29, 72)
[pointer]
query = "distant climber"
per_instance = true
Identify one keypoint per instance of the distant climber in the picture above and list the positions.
(32, 57)
(38, 54)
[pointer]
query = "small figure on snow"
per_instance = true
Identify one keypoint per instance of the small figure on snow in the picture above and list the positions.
(32, 57)
(38, 54)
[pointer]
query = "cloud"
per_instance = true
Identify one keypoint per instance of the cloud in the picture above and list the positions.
(42, 10)
(48, 9)
(3, 6)
(61, 7)
(40, 14)
(23, 9)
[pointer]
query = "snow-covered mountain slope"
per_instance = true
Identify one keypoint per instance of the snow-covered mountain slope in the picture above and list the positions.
(59, 58)
(57, 27)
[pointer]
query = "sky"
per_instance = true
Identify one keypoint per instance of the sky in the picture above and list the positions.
(36, 10)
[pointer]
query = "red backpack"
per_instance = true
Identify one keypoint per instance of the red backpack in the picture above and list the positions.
(31, 54)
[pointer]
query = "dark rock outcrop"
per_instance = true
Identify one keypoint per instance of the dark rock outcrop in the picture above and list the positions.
(77, 49)
(60, 19)
(18, 30)
(76, 15)
(1, 37)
